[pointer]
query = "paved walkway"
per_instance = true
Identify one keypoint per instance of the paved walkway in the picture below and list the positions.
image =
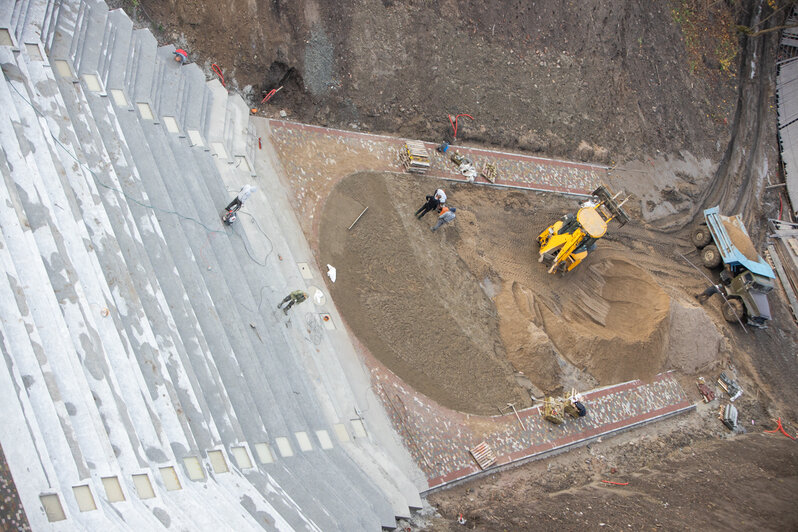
(439, 439)
(381, 153)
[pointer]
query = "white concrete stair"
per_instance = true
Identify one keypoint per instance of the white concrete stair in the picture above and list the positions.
(116, 224)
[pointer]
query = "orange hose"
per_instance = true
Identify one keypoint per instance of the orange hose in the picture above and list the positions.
(780, 428)
(218, 71)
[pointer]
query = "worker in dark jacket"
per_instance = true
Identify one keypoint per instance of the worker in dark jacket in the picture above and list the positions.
(709, 292)
(433, 201)
(297, 296)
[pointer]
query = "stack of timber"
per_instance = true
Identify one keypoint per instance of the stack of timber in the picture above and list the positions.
(414, 157)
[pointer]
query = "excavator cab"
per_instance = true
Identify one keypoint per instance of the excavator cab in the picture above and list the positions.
(567, 242)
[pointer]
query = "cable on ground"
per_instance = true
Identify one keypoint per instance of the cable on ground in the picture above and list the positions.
(218, 72)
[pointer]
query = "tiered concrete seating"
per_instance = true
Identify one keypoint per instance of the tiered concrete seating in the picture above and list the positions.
(141, 342)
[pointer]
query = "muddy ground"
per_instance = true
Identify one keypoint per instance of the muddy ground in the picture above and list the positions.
(677, 475)
(669, 95)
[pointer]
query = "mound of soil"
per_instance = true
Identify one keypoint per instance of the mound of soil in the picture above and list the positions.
(611, 320)
(410, 299)
(740, 240)
(694, 343)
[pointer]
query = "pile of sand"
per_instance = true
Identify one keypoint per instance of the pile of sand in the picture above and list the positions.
(460, 313)
(693, 340)
(410, 299)
(528, 347)
(611, 321)
(740, 239)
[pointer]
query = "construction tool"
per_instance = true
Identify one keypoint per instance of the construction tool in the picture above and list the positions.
(555, 407)
(728, 415)
(552, 411)
(358, 218)
(489, 172)
(704, 390)
(512, 406)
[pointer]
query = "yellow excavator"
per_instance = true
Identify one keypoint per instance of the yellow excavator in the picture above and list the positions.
(567, 242)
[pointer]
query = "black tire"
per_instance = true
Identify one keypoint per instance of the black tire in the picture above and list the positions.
(733, 311)
(701, 236)
(710, 256)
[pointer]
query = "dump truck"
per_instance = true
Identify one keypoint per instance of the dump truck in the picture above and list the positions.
(566, 242)
(723, 242)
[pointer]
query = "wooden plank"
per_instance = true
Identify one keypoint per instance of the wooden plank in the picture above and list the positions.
(483, 455)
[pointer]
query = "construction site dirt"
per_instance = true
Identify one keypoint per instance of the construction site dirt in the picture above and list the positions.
(669, 96)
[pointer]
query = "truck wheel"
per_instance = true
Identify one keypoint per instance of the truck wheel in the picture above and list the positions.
(701, 236)
(710, 256)
(733, 311)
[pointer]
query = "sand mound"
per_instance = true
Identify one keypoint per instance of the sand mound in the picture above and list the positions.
(693, 340)
(612, 320)
(457, 314)
(528, 347)
(740, 239)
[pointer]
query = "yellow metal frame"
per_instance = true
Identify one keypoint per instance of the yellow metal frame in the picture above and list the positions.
(591, 223)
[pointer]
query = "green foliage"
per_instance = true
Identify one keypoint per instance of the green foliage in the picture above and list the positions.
(709, 36)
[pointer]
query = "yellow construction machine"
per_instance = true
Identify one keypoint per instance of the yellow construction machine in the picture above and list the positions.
(567, 242)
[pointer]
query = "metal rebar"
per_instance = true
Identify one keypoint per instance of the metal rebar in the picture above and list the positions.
(358, 218)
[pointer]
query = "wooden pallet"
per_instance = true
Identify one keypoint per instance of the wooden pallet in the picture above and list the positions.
(483, 455)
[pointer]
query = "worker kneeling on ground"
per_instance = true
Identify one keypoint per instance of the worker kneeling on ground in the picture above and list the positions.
(575, 406)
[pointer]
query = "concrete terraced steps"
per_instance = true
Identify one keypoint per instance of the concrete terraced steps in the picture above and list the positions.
(149, 382)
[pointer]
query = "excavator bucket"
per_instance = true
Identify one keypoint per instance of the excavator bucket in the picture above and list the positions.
(614, 208)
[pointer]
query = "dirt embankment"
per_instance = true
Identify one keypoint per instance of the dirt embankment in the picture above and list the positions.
(612, 321)
(594, 79)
